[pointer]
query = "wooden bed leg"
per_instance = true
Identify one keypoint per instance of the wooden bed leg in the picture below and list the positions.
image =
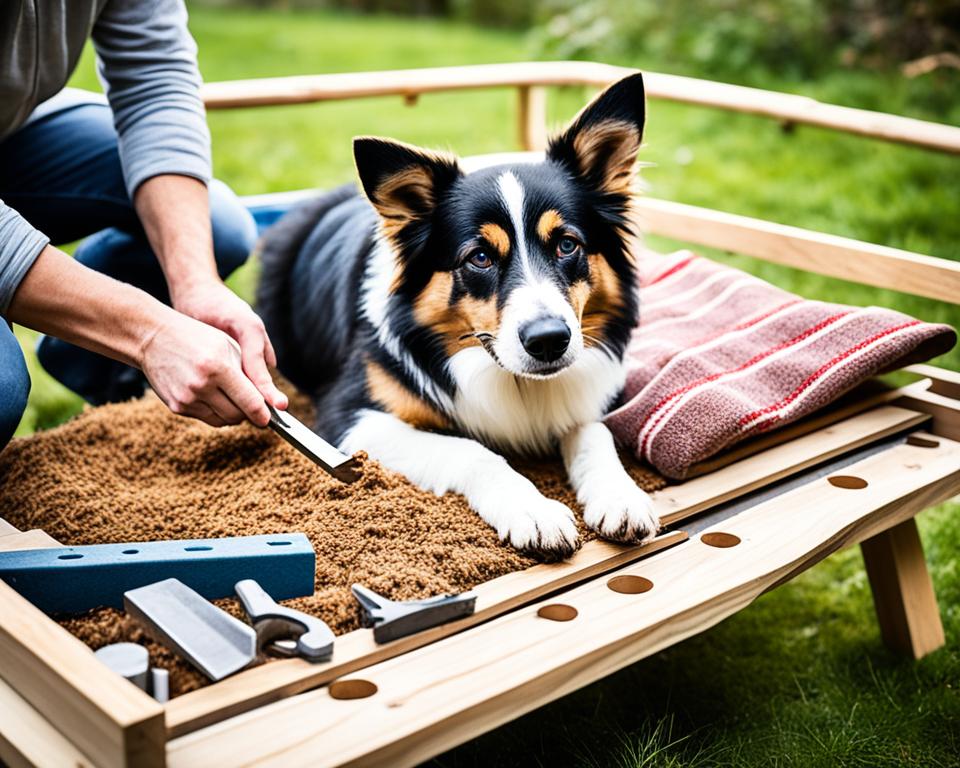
(532, 117)
(902, 591)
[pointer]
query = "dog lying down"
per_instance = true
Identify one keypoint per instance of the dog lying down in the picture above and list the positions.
(466, 314)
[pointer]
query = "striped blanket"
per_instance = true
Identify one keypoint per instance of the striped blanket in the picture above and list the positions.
(720, 356)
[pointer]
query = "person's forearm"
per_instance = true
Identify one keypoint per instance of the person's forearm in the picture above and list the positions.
(63, 298)
(175, 212)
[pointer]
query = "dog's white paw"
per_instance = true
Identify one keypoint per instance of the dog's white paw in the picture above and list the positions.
(537, 524)
(621, 511)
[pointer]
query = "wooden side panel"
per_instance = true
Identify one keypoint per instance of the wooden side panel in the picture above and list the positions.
(443, 694)
(902, 591)
(864, 263)
(104, 716)
(27, 739)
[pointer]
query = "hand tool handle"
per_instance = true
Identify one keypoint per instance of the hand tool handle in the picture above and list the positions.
(256, 602)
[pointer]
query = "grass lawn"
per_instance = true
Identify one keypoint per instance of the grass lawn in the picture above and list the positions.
(800, 678)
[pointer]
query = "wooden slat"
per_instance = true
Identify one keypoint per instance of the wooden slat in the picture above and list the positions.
(106, 717)
(864, 263)
(356, 650)
(902, 591)
(785, 107)
(27, 739)
(35, 539)
(680, 501)
(532, 118)
(444, 694)
(942, 381)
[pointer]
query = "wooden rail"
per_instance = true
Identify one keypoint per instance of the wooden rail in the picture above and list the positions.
(531, 77)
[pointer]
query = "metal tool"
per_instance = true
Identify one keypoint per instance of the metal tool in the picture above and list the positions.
(273, 622)
(76, 579)
(391, 619)
(314, 447)
(209, 638)
(128, 660)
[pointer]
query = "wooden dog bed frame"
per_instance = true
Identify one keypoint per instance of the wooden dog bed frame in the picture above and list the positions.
(855, 476)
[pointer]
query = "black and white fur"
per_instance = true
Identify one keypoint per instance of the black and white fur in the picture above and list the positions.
(427, 320)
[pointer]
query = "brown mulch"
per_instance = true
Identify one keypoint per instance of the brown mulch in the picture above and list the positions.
(135, 472)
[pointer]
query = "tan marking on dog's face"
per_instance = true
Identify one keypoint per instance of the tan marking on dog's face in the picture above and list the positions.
(455, 323)
(578, 295)
(610, 148)
(605, 296)
(497, 237)
(549, 222)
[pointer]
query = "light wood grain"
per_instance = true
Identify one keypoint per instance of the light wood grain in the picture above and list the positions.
(864, 263)
(785, 107)
(34, 539)
(677, 502)
(27, 739)
(944, 411)
(902, 591)
(942, 381)
(106, 717)
(446, 693)
(357, 649)
(532, 117)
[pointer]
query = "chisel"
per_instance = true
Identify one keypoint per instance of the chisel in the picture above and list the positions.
(314, 447)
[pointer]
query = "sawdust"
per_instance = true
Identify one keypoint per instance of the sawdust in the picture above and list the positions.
(134, 472)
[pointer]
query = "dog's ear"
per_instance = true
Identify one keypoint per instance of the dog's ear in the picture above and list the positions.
(600, 146)
(403, 182)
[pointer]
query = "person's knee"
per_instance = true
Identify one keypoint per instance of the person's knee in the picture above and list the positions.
(234, 230)
(14, 386)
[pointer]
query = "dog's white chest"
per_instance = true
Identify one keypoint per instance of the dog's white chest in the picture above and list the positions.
(530, 415)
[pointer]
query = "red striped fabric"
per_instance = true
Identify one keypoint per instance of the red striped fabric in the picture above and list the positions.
(720, 355)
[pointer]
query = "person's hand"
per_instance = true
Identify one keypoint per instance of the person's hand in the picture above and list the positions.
(216, 305)
(196, 370)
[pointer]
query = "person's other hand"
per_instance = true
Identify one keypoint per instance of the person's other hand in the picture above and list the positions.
(216, 305)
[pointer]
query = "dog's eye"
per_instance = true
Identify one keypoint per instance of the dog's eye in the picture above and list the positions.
(480, 260)
(567, 247)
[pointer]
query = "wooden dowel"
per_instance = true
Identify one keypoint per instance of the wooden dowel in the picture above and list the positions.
(532, 117)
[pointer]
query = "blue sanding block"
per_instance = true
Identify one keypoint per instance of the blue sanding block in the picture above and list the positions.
(72, 580)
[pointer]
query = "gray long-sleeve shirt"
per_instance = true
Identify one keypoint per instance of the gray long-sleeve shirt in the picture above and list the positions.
(148, 66)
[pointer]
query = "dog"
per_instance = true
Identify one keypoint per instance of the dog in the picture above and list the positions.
(445, 318)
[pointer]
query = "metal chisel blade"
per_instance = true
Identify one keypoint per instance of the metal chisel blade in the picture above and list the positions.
(314, 447)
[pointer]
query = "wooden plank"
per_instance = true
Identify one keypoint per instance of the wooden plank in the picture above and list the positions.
(27, 739)
(357, 649)
(680, 501)
(784, 107)
(446, 693)
(34, 539)
(944, 411)
(6, 528)
(902, 591)
(106, 717)
(942, 381)
(864, 263)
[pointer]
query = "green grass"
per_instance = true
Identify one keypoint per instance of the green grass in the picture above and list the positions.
(800, 678)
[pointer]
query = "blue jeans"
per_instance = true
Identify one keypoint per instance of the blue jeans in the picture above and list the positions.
(62, 174)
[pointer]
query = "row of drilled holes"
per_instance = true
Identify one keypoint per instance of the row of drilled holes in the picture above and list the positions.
(625, 584)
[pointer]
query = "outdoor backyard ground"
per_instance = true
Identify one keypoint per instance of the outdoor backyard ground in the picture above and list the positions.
(800, 678)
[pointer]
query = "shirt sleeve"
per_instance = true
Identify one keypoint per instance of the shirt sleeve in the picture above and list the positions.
(20, 244)
(147, 62)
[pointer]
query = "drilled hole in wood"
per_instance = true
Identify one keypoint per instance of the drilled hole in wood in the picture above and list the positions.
(847, 481)
(352, 689)
(720, 539)
(922, 442)
(558, 612)
(630, 585)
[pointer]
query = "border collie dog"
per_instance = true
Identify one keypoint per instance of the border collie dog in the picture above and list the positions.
(447, 317)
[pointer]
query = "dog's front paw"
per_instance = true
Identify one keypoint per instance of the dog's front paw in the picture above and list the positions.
(540, 525)
(620, 511)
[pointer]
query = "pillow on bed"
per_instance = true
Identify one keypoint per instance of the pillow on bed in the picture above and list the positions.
(720, 356)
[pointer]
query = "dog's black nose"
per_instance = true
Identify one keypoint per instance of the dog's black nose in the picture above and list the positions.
(545, 338)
